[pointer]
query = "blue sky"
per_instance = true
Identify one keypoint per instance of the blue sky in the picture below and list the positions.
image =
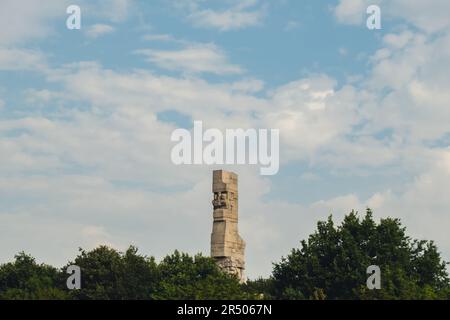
(86, 117)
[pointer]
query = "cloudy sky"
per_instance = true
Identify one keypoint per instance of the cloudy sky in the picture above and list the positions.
(86, 117)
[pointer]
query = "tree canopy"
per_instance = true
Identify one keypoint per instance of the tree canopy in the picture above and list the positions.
(109, 274)
(25, 279)
(331, 264)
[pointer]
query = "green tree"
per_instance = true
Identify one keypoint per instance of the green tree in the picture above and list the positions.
(25, 279)
(332, 264)
(195, 278)
(260, 288)
(110, 275)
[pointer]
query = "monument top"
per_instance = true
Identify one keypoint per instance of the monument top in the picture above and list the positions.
(224, 181)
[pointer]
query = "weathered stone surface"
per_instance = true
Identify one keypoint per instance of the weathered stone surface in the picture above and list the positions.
(227, 247)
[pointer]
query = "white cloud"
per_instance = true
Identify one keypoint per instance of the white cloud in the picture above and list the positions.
(95, 236)
(21, 21)
(311, 114)
(247, 86)
(351, 11)
(198, 58)
(21, 59)
(25, 20)
(98, 30)
(162, 38)
(417, 73)
(114, 11)
(239, 15)
(430, 16)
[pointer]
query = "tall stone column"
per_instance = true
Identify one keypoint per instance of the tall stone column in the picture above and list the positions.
(227, 247)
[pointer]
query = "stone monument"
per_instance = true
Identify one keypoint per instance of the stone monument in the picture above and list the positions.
(227, 247)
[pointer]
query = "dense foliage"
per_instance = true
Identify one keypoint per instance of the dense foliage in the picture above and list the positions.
(109, 274)
(24, 279)
(331, 264)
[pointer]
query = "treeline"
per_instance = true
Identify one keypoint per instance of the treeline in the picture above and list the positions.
(330, 264)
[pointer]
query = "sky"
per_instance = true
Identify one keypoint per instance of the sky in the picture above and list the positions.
(86, 118)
